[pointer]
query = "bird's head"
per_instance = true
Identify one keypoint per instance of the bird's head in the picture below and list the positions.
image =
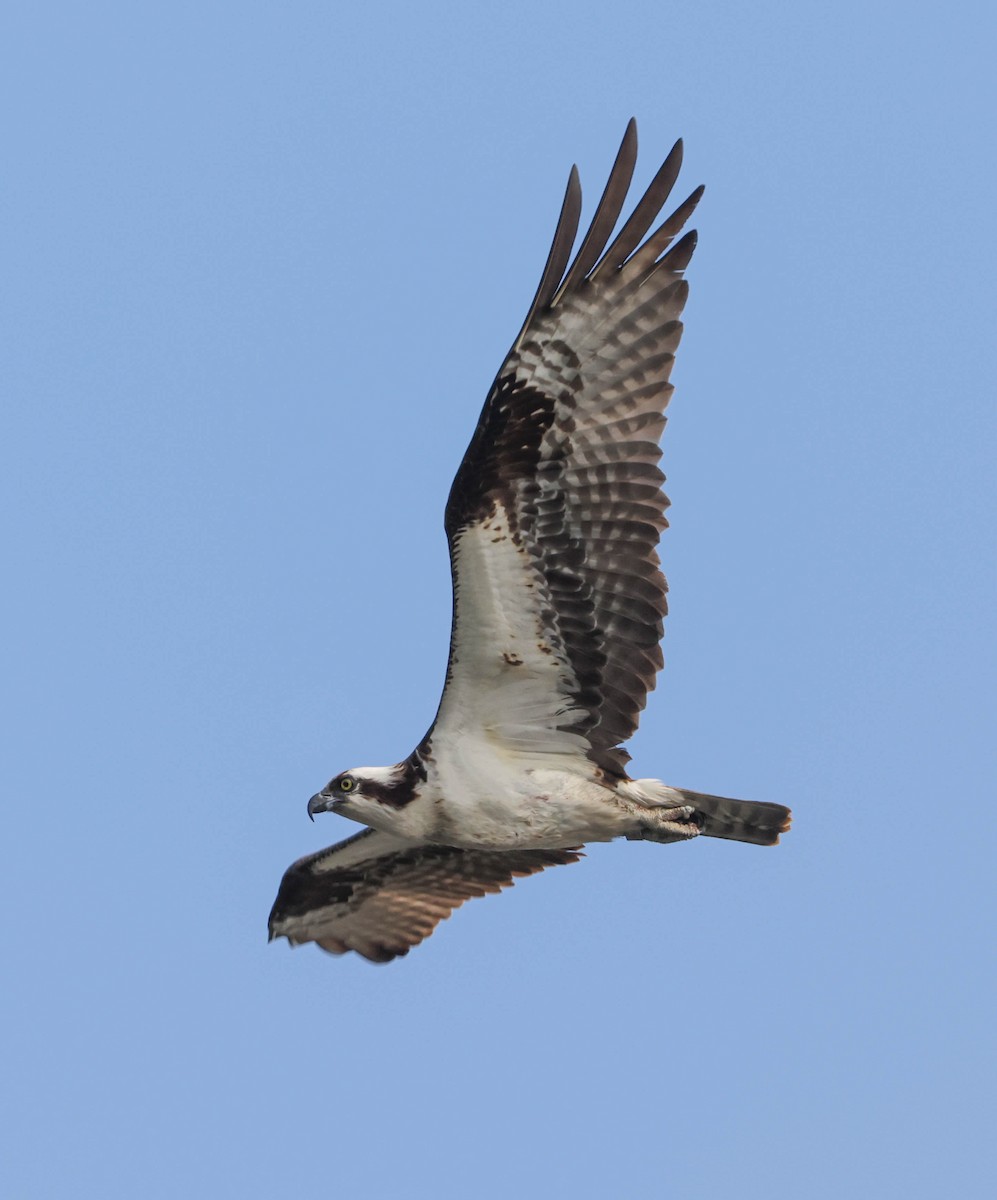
(362, 793)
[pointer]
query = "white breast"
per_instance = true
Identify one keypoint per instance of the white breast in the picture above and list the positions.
(480, 795)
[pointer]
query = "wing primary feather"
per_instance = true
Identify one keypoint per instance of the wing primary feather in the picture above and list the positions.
(661, 239)
(677, 258)
(560, 250)
(607, 212)
(639, 222)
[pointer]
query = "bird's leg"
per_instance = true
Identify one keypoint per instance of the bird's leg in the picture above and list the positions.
(666, 825)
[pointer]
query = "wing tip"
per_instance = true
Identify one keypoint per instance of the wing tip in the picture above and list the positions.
(598, 252)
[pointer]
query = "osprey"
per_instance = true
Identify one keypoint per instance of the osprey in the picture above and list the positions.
(553, 521)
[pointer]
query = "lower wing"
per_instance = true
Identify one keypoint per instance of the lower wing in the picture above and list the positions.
(380, 895)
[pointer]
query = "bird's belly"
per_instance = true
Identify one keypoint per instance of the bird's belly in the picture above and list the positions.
(537, 807)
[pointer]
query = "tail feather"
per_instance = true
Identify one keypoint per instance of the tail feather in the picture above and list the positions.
(740, 820)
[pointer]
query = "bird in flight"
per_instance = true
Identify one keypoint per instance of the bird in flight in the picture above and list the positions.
(553, 522)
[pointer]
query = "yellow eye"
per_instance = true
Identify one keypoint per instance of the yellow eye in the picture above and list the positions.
(346, 784)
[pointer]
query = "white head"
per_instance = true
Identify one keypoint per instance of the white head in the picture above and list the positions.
(363, 792)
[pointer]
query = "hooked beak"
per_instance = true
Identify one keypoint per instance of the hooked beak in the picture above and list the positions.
(319, 803)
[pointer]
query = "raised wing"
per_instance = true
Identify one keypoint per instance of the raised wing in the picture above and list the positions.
(555, 512)
(380, 895)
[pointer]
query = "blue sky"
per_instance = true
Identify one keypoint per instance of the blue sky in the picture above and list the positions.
(261, 264)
